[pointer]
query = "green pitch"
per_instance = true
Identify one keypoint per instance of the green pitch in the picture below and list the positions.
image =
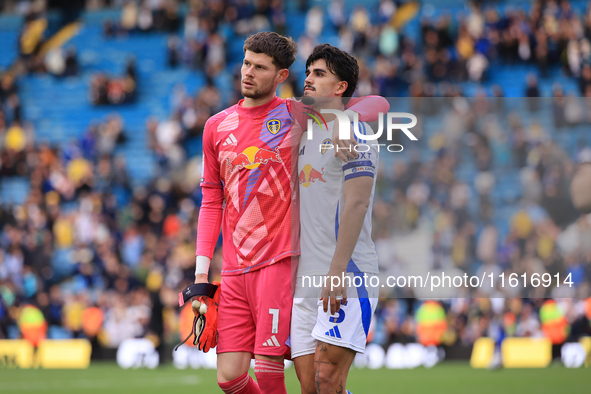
(449, 377)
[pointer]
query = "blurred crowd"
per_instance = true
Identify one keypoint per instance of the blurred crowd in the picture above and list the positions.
(209, 25)
(451, 48)
(87, 240)
(114, 90)
(144, 16)
(492, 197)
(38, 53)
(15, 134)
(466, 320)
(549, 33)
(83, 238)
(171, 139)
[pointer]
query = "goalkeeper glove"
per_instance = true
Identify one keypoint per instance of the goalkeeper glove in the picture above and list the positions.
(205, 308)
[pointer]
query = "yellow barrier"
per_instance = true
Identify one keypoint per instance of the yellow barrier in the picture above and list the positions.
(586, 342)
(65, 353)
(482, 353)
(16, 354)
(526, 352)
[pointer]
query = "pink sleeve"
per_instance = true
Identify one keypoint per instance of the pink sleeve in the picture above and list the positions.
(210, 213)
(210, 221)
(297, 109)
(368, 107)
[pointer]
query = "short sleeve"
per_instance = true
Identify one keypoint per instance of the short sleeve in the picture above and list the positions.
(366, 163)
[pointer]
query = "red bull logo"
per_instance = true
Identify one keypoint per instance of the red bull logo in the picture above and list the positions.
(253, 156)
(309, 175)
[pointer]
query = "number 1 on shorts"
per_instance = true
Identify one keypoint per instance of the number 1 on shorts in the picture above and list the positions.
(275, 313)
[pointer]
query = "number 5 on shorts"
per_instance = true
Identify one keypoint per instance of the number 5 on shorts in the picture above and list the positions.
(275, 313)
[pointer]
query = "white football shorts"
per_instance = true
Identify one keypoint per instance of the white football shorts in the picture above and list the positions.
(347, 328)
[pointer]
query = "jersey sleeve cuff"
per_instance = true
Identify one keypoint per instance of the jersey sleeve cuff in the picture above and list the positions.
(358, 174)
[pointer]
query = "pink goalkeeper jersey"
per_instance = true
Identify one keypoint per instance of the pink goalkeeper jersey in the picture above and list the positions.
(249, 156)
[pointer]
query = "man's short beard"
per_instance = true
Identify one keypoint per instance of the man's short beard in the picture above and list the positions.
(256, 95)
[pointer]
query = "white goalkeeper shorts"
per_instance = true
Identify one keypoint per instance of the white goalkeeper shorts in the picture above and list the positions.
(347, 328)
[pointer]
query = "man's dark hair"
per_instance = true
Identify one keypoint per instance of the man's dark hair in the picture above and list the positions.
(340, 63)
(282, 49)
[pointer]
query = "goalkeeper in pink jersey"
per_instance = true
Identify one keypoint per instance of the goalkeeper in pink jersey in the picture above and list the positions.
(249, 156)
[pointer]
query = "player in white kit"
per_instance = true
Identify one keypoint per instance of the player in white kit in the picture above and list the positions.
(330, 324)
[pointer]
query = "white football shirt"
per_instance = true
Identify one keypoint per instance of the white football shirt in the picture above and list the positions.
(321, 178)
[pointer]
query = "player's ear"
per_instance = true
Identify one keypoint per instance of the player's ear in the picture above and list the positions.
(282, 75)
(342, 88)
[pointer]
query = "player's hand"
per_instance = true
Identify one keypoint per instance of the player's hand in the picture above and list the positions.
(206, 320)
(333, 293)
(205, 308)
(343, 148)
(199, 305)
